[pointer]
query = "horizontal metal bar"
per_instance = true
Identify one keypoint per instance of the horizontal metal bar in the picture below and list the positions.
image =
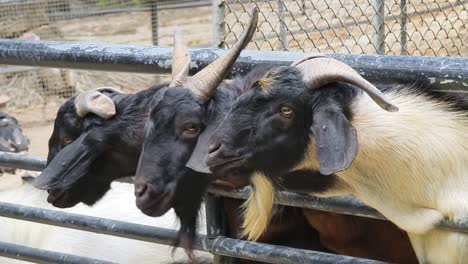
(42, 256)
(438, 72)
(218, 245)
(21, 161)
(16, 69)
(345, 205)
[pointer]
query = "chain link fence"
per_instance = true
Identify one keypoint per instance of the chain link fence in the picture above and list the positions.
(392, 27)
(397, 27)
(38, 92)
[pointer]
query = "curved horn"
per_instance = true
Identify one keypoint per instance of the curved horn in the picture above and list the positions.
(180, 60)
(205, 82)
(319, 71)
(94, 102)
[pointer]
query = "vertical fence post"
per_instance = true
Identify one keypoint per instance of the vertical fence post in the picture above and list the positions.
(282, 25)
(403, 22)
(154, 21)
(218, 7)
(378, 39)
(215, 225)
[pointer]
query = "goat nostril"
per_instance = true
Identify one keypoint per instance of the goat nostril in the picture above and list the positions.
(140, 189)
(213, 147)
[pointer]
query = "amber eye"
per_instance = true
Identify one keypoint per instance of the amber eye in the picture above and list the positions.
(286, 111)
(191, 128)
(67, 141)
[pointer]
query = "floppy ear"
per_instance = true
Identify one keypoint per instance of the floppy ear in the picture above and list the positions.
(335, 139)
(71, 163)
(200, 152)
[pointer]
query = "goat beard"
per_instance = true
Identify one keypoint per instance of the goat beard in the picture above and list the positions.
(257, 209)
(186, 235)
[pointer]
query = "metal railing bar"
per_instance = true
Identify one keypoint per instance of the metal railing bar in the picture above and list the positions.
(42, 256)
(439, 72)
(344, 205)
(21, 161)
(218, 245)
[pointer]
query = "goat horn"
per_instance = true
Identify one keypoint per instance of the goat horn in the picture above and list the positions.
(205, 82)
(94, 102)
(319, 71)
(180, 60)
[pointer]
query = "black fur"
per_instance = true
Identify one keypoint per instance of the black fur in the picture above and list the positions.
(108, 149)
(305, 181)
(255, 136)
(87, 154)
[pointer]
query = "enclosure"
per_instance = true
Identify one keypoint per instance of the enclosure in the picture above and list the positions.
(361, 33)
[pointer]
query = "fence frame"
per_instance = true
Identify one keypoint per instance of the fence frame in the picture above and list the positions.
(440, 73)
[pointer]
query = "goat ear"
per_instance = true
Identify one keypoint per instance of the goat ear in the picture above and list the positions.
(70, 164)
(335, 139)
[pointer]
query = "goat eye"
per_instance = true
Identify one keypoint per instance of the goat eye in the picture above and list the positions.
(286, 111)
(191, 128)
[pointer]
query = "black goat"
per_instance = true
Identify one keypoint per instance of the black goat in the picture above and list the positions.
(98, 137)
(357, 237)
(313, 132)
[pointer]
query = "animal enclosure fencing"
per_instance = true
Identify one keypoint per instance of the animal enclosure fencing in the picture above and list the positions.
(437, 73)
(392, 27)
(38, 92)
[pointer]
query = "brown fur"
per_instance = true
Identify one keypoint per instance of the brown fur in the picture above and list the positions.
(362, 237)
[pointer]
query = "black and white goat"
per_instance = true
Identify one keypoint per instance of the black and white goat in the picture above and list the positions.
(310, 128)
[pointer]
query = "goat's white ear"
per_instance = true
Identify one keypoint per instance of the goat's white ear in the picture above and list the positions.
(94, 102)
(336, 140)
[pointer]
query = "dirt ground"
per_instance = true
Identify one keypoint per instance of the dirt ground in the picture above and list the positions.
(39, 136)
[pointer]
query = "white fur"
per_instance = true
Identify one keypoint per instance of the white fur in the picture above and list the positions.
(412, 166)
(118, 204)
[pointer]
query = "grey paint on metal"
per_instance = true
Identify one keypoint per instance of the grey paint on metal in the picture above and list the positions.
(343, 205)
(218, 8)
(215, 225)
(20, 161)
(378, 23)
(42, 256)
(217, 245)
(403, 26)
(282, 25)
(445, 73)
(154, 22)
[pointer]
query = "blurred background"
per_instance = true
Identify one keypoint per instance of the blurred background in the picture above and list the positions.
(390, 27)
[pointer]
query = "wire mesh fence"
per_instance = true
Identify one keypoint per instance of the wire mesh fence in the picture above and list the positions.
(400, 27)
(140, 22)
(393, 27)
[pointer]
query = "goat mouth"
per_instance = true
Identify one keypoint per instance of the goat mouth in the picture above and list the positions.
(230, 162)
(230, 169)
(59, 199)
(157, 205)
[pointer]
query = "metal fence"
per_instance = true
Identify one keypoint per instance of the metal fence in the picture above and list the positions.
(395, 27)
(392, 27)
(38, 92)
(439, 73)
